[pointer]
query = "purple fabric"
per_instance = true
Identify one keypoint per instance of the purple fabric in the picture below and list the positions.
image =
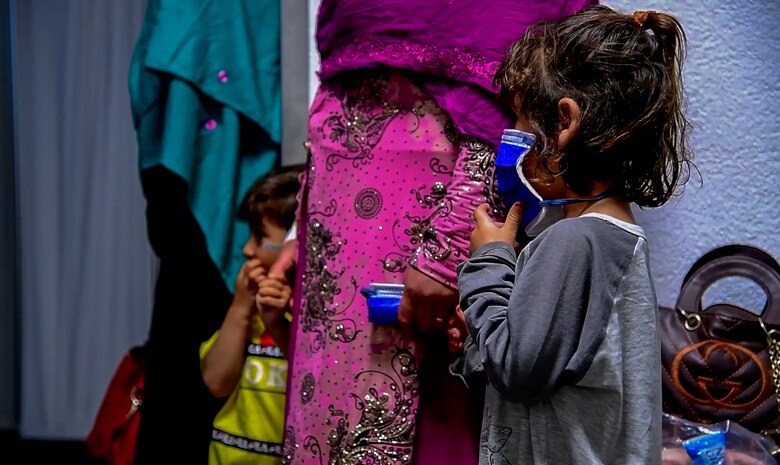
(456, 45)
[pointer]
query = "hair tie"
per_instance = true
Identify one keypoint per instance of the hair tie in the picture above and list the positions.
(640, 17)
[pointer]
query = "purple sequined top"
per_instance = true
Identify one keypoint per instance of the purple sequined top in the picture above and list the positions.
(456, 46)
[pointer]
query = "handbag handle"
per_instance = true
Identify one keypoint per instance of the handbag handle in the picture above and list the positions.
(741, 262)
(732, 250)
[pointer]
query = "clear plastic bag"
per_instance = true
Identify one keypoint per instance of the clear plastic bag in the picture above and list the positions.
(725, 443)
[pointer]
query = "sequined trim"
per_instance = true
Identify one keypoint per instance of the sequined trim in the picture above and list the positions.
(479, 162)
(384, 434)
(462, 63)
(479, 166)
(322, 315)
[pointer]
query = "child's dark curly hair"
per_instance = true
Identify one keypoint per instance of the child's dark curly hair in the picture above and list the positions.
(625, 73)
(273, 197)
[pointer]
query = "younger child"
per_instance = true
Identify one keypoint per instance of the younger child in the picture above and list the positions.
(245, 358)
(566, 329)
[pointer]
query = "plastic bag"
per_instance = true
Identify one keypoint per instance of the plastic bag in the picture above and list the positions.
(725, 443)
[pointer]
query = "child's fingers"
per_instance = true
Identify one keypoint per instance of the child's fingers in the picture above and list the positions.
(266, 291)
(513, 219)
(481, 215)
(257, 274)
(272, 288)
(280, 277)
(456, 330)
(268, 283)
(243, 272)
(273, 302)
(455, 347)
(454, 339)
(253, 263)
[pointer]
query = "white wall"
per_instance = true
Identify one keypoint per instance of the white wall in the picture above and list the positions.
(731, 78)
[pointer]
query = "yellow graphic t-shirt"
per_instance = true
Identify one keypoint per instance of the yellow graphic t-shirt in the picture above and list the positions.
(249, 428)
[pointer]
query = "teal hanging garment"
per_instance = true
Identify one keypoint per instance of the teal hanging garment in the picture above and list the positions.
(206, 101)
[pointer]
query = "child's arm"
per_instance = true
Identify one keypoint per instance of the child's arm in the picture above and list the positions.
(531, 329)
(274, 298)
(222, 365)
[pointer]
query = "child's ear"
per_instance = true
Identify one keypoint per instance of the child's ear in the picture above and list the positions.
(568, 120)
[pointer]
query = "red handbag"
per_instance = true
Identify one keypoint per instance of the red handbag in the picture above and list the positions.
(114, 432)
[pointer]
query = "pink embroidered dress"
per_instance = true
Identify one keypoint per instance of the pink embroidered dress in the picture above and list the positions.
(402, 134)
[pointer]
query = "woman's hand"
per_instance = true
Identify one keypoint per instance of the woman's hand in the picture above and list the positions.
(426, 304)
(285, 262)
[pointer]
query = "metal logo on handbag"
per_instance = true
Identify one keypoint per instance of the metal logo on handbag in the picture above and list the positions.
(723, 362)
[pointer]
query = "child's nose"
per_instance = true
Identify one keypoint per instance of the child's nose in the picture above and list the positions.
(249, 249)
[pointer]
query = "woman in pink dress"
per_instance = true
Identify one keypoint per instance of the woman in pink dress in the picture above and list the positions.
(402, 131)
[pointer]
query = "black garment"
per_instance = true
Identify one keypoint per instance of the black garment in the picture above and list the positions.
(190, 302)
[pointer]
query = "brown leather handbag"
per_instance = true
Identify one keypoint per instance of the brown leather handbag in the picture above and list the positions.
(723, 362)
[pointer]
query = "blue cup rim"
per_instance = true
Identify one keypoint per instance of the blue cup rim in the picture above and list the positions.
(516, 132)
(524, 139)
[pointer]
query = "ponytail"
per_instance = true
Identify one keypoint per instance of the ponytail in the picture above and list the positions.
(671, 43)
(669, 34)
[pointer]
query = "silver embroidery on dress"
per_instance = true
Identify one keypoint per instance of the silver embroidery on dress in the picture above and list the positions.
(384, 433)
(322, 315)
(420, 234)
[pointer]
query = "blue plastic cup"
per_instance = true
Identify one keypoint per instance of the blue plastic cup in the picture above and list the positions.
(383, 300)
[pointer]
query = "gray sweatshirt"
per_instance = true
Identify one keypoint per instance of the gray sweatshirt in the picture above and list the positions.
(566, 337)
